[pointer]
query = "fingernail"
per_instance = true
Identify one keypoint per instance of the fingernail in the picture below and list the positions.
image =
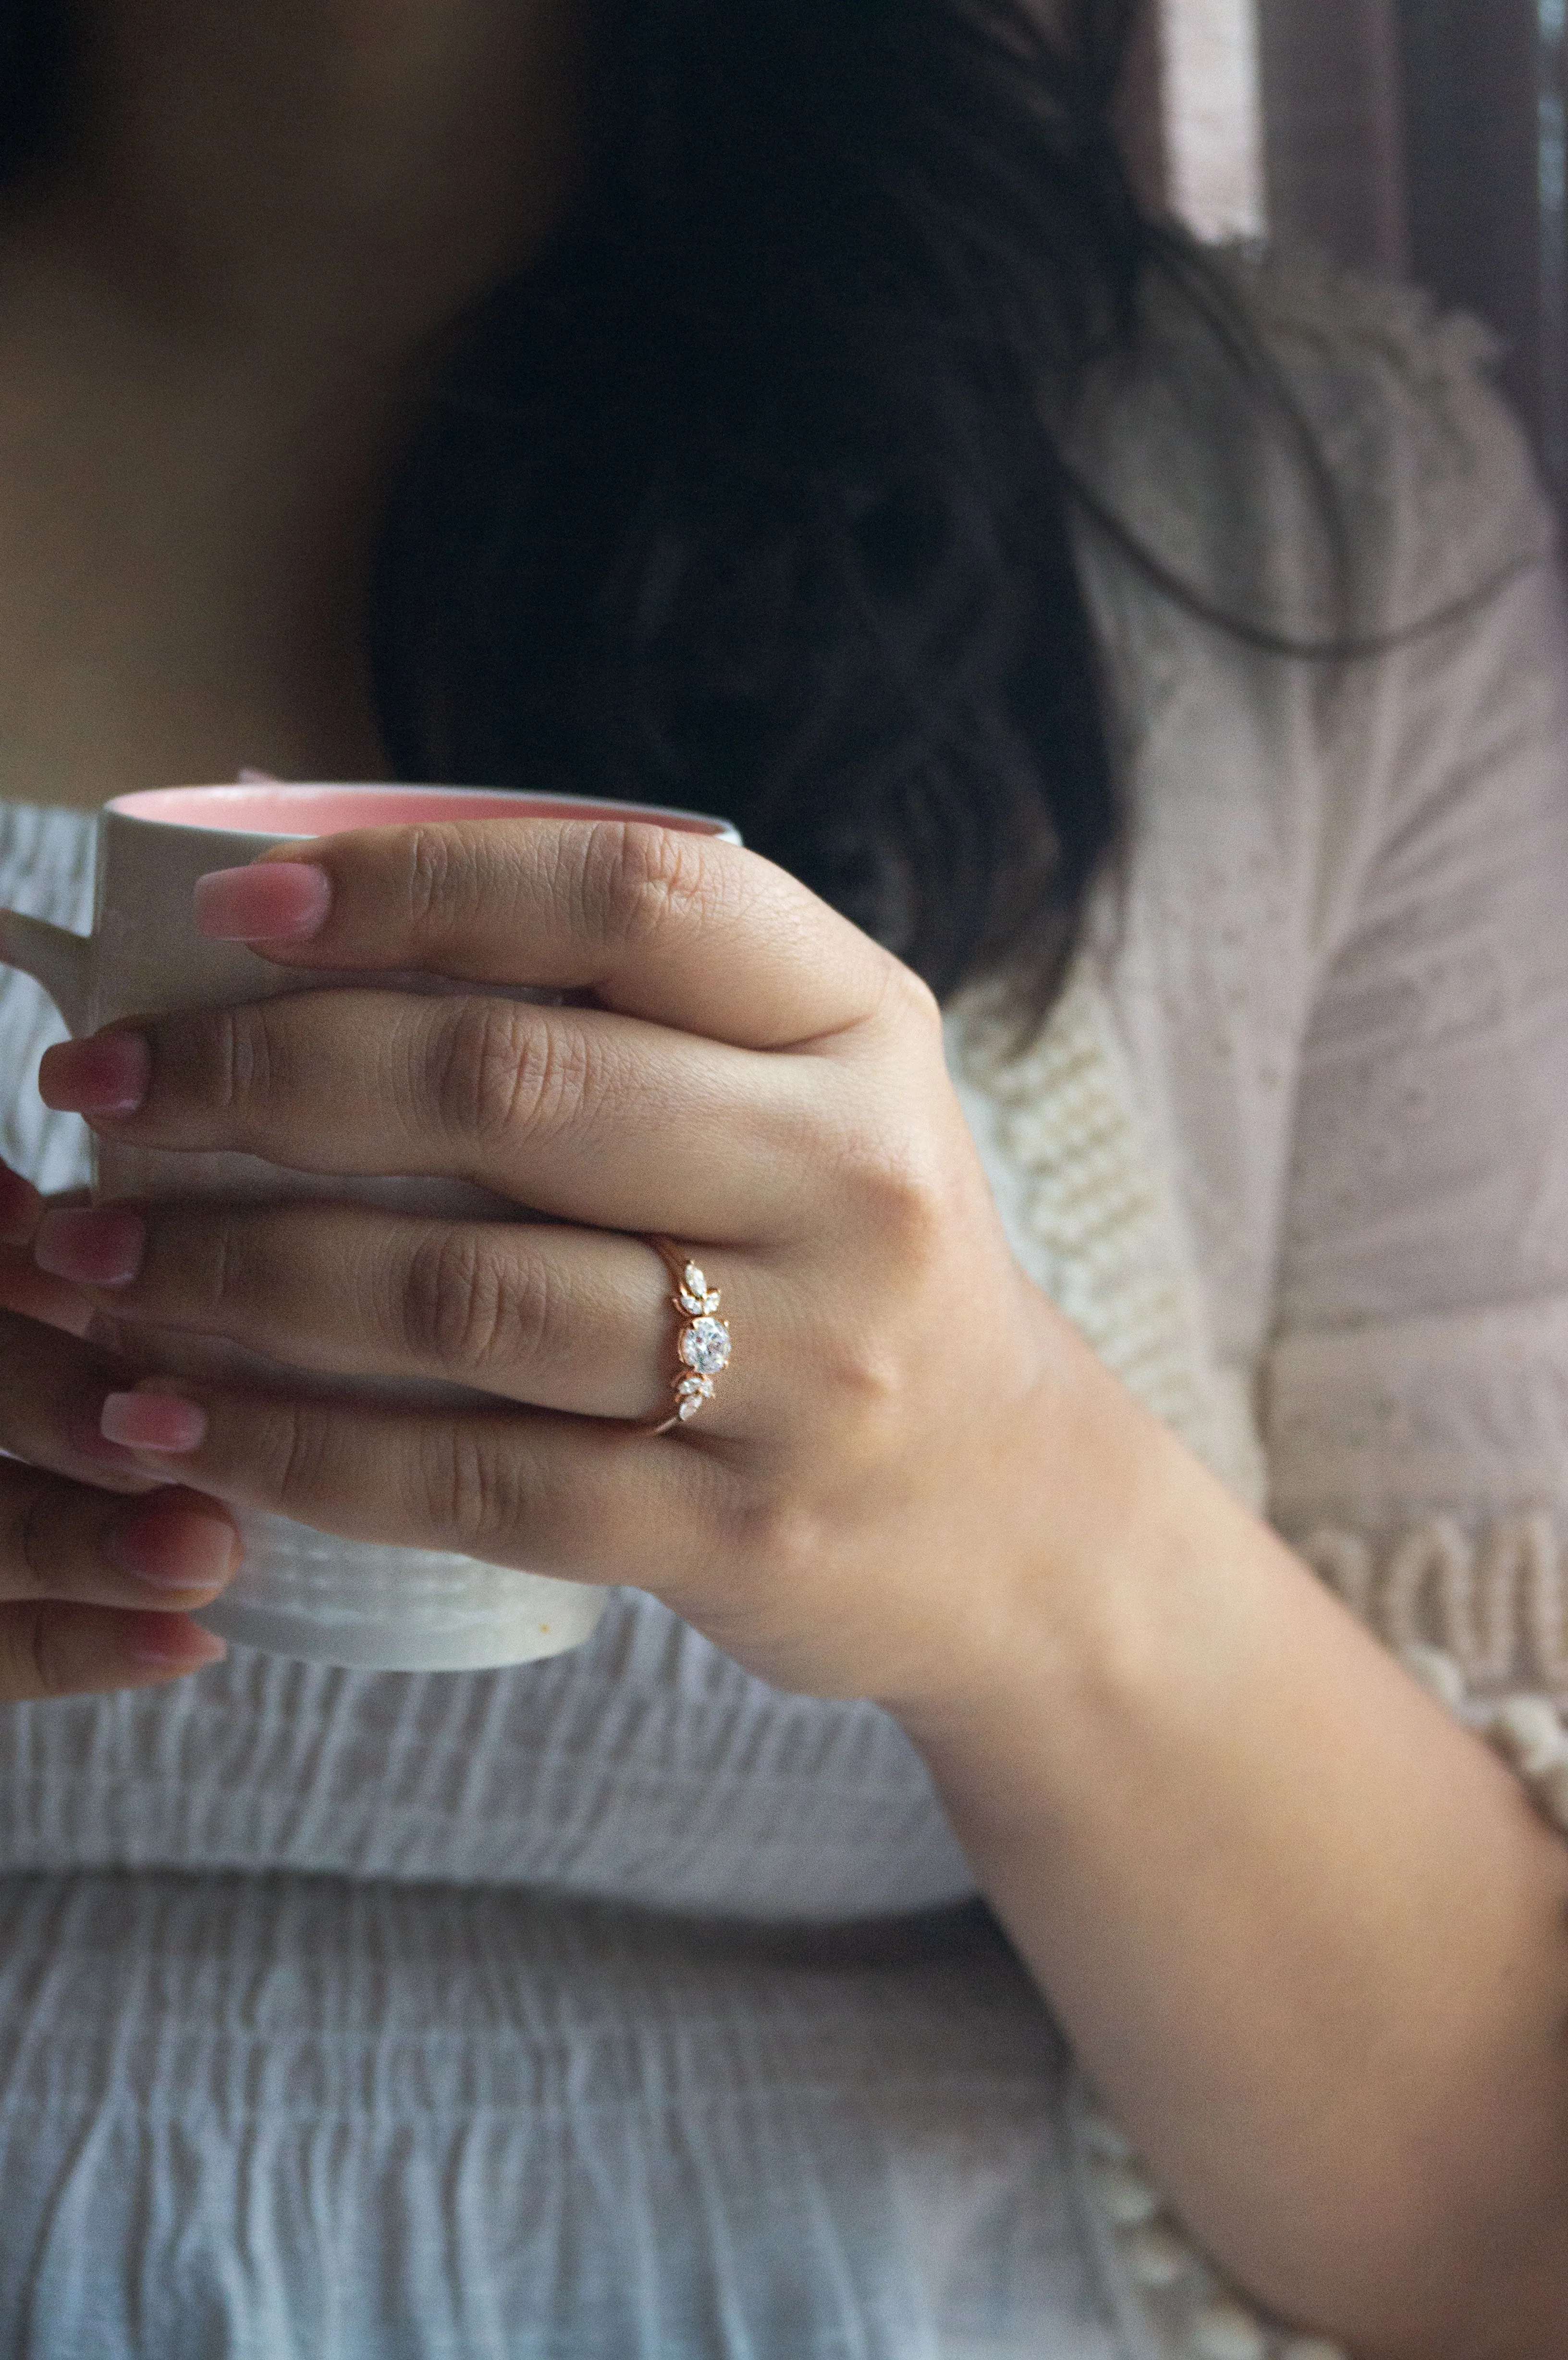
(153, 1422)
(170, 1545)
(271, 902)
(101, 1247)
(105, 1076)
(186, 1646)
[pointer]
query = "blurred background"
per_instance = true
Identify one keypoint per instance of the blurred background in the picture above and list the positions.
(1423, 139)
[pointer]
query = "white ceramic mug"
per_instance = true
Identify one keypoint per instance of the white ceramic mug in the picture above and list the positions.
(298, 1593)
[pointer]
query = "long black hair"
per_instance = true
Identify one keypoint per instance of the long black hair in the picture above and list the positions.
(746, 497)
(748, 494)
(35, 38)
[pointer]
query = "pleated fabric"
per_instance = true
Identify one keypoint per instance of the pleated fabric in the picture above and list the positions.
(251, 2118)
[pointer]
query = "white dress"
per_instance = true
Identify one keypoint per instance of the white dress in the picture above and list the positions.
(620, 2005)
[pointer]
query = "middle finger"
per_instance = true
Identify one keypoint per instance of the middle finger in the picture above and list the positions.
(577, 1112)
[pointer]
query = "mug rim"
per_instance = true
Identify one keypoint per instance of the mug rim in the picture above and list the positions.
(142, 804)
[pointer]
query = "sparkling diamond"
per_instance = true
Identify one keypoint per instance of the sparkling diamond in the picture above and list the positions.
(705, 1346)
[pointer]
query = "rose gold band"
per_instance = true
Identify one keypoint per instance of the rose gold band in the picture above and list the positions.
(703, 1347)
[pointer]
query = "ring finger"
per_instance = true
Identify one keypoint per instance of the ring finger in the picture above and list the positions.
(560, 1318)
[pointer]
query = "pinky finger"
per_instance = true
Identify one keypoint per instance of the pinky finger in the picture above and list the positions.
(50, 1649)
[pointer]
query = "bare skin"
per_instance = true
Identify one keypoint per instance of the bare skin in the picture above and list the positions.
(1304, 1932)
(215, 316)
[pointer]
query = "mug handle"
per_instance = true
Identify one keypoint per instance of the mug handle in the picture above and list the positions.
(60, 961)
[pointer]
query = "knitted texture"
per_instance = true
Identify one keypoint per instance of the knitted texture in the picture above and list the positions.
(1388, 1261)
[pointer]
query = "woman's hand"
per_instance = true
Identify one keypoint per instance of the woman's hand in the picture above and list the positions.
(755, 1079)
(97, 1563)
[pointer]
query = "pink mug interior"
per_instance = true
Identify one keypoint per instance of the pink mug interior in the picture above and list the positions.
(267, 809)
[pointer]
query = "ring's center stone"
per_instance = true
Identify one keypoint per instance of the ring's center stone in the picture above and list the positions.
(705, 1346)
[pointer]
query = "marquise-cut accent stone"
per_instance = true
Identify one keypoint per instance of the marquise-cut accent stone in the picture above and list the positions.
(705, 1346)
(696, 1297)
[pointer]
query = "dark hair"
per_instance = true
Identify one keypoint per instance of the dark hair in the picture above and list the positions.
(746, 497)
(35, 37)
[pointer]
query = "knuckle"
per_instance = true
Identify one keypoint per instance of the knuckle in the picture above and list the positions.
(213, 1269)
(909, 1000)
(500, 1071)
(900, 1191)
(241, 1055)
(293, 1449)
(473, 1488)
(217, 1269)
(428, 879)
(781, 1540)
(869, 1385)
(529, 1321)
(458, 1309)
(639, 882)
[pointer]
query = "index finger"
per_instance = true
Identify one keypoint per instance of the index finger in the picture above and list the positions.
(682, 929)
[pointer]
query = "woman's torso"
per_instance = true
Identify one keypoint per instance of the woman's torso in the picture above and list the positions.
(407, 2065)
(379, 2080)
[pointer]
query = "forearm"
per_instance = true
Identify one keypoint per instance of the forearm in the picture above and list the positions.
(1307, 1936)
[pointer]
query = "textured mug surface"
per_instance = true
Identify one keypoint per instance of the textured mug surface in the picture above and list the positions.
(298, 1593)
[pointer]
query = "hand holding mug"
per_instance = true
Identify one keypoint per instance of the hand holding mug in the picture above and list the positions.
(728, 1065)
(385, 1606)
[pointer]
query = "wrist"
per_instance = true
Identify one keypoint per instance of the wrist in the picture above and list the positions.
(1114, 1595)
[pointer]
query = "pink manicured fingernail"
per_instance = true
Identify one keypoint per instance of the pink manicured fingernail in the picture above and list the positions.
(153, 1422)
(272, 902)
(101, 1247)
(188, 1651)
(106, 1075)
(171, 1545)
